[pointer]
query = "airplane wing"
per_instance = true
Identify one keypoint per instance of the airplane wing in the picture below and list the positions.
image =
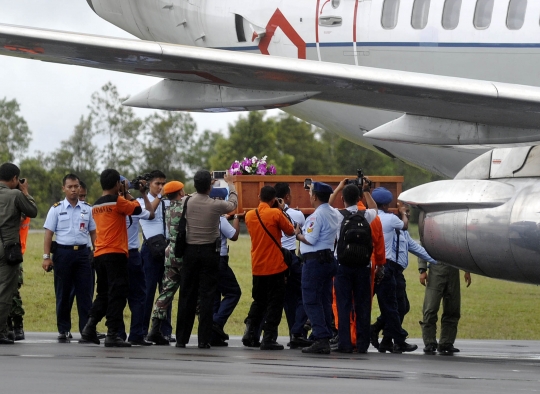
(288, 81)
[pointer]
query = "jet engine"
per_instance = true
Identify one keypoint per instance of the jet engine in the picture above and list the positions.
(487, 219)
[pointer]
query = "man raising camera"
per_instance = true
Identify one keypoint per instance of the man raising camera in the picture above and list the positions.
(14, 201)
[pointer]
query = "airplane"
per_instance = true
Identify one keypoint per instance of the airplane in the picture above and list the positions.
(447, 85)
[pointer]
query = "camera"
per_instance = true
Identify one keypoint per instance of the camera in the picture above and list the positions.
(218, 174)
(359, 181)
(22, 180)
(307, 183)
(136, 183)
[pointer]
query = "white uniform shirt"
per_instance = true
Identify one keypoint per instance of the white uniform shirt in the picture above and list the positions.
(227, 232)
(297, 217)
(154, 227)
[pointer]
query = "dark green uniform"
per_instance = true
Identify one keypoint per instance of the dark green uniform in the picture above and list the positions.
(442, 285)
(171, 278)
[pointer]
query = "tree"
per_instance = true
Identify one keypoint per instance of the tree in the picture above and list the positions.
(251, 136)
(121, 129)
(170, 139)
(15, 136)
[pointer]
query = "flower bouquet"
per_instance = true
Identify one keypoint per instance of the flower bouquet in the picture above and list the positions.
(253, 166)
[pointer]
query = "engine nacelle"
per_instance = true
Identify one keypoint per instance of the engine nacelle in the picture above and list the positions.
(486, 220)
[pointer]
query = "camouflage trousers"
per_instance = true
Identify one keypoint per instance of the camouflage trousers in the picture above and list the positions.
(171, 284)
(17, 310)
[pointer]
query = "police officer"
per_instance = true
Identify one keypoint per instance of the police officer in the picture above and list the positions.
(71, 220)
(316, 245)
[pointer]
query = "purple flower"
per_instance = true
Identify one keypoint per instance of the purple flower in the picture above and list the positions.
(246, 163)
(261, 169)
(271, 170)
(235, 168)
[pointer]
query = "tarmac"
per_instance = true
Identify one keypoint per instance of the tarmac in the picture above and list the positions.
(40, 365)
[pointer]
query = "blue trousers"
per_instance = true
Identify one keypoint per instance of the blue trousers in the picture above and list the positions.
(72, 270)
(403, 305)
(387, 298)
(136, 298)
(229, 289)
(153, 273)
(353, 284)
(317, 278)
(294, 306)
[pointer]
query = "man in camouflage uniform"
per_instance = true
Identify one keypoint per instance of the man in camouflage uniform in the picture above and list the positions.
(15, 318)
(174, 191)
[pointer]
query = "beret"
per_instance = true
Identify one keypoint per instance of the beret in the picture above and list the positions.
(382, 195)
(172, 187)
(320, 187)
(219, 192)
(123, 178)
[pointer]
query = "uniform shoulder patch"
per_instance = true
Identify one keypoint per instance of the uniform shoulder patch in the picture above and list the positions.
(85, 203)
(57, 204)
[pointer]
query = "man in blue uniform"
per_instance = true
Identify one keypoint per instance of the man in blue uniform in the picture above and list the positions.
(317, 247)
(387, 288)
(137, 284)
(71, 220)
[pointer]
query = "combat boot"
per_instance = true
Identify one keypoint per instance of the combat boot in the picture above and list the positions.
(4, 340)
(18, 331)
(404, 347)
(113, 340)
(386, 345)
(89, 333)
(321, 346)
(298, 342)
(249, 339)
(269, 343)
(10, 334)
(155, 335)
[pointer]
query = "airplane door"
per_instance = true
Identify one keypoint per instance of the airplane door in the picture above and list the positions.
(336, 24)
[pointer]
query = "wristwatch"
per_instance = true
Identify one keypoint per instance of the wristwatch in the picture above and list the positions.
(422, 270)
(46, 256)
(236, 217)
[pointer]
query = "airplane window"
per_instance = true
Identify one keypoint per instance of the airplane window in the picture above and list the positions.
(335, 3)
(451, 12)
(420, 14)
(516, 14)
(482, 14)
(390, 14)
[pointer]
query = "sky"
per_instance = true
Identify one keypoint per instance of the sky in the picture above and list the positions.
(52, 96)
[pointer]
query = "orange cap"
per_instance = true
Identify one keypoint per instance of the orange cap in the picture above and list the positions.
(172, 187)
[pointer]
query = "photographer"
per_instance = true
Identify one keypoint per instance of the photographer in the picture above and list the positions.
(200, 269)
(137, 284)
(14, 201)
(153, 250)
(72, 222)
(111, 259)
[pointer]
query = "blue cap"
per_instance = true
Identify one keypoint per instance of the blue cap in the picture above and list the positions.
(320, 187)
(382, 195)
(219, 192)
(123, 178)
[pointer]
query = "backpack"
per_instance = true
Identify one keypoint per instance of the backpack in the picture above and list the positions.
(354, 246)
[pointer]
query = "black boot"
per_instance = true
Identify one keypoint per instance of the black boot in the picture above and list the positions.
(18, 328)
(298, 342)
(321, 346)
(113, 340)
(249, 338)
(386, 345)
(10, 334)
(155, 335)
(89, 333)
(269, 342)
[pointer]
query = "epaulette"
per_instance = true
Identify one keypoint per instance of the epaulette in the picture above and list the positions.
(84, 202)
(57, 204)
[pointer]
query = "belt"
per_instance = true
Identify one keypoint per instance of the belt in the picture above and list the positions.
(395, 265)
(72, 247)
(317, 254)
(133, 250)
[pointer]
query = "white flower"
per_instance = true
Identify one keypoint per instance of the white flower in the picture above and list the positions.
(264, 158)
(248, 169)
(254, 158)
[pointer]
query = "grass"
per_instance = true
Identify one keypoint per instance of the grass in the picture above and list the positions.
(491, 309)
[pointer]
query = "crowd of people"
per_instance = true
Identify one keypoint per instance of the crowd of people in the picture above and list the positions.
(322, 271)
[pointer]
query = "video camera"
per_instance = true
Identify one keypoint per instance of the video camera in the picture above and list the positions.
(359, 181)
(136, 183)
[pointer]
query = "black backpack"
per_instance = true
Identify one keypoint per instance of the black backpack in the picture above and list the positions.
(354, 246)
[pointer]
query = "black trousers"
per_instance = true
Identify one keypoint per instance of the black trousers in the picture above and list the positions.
(268, 298)
(199, 280)
(112, 289)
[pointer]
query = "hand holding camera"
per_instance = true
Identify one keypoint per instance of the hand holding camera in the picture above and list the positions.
(23, 185)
